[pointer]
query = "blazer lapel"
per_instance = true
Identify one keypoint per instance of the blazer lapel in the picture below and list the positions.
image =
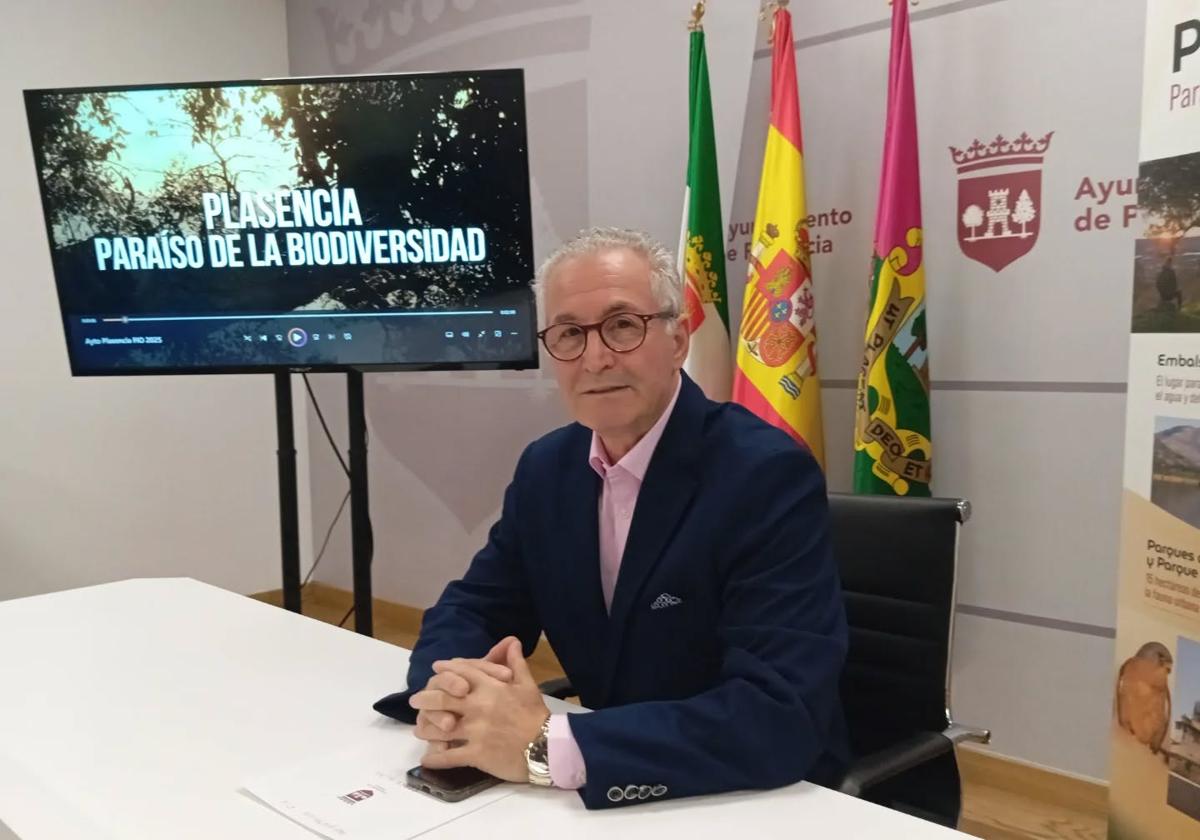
(666, 492)
(579, 565)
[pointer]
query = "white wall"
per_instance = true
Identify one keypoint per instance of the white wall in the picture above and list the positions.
(109, 478)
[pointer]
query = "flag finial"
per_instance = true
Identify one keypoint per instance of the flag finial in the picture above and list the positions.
(768, 10)
(696, 23)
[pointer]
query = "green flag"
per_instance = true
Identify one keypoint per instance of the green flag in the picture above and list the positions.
(701, 241)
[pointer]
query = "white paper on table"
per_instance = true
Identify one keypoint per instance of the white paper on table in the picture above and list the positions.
(361, 795)
(29, 807)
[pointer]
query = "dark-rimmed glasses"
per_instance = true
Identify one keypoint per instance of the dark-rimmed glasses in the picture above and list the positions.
(621, 332)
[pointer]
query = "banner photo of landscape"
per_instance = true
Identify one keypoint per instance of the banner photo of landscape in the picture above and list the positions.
(308, 222)
(1155, 732)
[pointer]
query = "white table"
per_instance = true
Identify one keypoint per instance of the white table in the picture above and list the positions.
(138, 709)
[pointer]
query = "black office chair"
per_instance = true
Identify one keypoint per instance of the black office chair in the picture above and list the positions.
(898, 559)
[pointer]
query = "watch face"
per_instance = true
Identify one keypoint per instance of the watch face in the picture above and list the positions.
(538, 752)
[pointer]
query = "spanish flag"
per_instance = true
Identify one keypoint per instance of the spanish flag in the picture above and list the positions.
(892, 449)
(776, 375)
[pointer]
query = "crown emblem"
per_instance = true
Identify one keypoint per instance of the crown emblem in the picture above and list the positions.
(1024, 149)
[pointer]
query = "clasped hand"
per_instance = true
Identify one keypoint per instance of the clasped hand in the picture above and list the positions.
(481, 713)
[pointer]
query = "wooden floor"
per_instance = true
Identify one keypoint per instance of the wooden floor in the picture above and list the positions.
(1002, 799)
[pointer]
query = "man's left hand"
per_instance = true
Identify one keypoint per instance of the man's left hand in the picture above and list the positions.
(498, 719)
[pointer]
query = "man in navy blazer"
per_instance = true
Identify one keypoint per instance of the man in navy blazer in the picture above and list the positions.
(676, 554)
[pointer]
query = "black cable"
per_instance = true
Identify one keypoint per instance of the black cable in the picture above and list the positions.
(328, 436)
(346, 469)
(324, 425)
(325, 544)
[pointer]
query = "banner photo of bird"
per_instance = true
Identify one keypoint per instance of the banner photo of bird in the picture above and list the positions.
(1143, 698)
(1156, 741)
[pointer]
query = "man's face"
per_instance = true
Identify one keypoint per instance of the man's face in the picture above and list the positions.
(617, 395)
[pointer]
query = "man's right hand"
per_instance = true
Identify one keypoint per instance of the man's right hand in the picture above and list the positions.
(439, 728)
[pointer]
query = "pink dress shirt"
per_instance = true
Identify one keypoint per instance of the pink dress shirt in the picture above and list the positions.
(622, 482)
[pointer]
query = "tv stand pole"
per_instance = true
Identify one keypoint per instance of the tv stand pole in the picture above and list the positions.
(289, 519)
(361, 538)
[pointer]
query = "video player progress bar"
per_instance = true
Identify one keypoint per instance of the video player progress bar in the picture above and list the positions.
(331, 313)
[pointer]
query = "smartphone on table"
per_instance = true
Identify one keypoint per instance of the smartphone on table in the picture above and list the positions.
(453, 785)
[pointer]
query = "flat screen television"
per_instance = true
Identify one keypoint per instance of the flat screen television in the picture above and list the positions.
(318, 224)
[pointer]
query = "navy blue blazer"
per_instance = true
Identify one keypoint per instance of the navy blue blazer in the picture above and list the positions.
(718, 667)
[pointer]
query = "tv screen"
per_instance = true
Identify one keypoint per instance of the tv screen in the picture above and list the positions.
(297, 224)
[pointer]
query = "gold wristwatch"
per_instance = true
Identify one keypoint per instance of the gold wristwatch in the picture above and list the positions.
(537, 757)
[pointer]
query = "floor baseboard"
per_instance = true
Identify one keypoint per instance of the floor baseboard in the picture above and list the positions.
(988, 768)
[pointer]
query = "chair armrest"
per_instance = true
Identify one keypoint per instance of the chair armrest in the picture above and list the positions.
(957, 733)
(880, 766)
(560, 688)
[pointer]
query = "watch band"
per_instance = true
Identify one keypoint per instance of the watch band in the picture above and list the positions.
(537, 757)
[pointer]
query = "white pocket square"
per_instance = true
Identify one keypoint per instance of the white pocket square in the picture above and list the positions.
(665, 600)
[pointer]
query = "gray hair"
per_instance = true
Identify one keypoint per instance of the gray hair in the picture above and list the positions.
(665, 282)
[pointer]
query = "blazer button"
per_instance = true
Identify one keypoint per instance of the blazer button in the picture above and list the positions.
(615, 794)
(658, 790)
(644, 792)
(631, 792)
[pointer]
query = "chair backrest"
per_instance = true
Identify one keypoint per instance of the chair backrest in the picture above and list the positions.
(897, 559)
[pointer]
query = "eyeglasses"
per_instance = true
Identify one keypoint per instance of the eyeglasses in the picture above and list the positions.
(621, 332)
